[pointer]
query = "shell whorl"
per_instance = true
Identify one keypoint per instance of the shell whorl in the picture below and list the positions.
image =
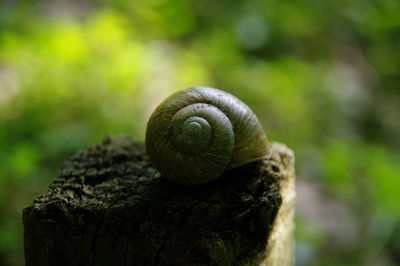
(197, 133)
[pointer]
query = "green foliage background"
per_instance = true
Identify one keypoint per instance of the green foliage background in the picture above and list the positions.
(322, 76)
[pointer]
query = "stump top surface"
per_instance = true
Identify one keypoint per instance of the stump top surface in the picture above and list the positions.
(118, 171)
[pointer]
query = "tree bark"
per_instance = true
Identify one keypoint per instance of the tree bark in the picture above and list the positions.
(109, 206)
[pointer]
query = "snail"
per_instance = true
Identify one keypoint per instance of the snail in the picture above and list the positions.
(198, 133)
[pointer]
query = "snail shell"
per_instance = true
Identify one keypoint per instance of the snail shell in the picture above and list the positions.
(197, 133)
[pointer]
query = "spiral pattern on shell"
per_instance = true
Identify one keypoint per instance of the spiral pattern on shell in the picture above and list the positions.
(197, 133)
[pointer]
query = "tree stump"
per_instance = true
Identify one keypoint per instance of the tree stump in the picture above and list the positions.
(109, 206)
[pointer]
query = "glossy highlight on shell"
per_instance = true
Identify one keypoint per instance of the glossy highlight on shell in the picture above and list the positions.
(197, 133)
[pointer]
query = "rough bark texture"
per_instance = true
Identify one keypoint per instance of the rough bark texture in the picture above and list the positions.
(110, 207)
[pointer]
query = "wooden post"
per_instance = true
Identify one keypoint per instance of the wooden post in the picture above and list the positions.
(110, 207)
